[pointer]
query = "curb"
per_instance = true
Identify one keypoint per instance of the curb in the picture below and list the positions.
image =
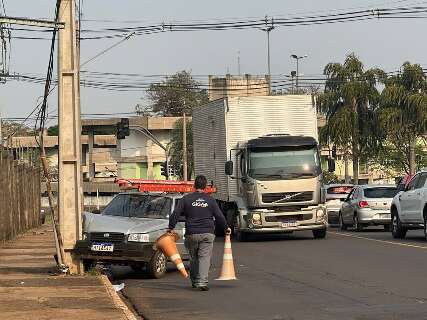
(117, 301)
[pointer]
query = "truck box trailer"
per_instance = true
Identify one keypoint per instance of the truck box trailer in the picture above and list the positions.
(261, 154)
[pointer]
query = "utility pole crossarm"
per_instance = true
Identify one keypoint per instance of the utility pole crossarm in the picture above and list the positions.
(32, 22)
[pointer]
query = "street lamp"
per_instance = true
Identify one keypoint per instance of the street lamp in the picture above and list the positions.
(297, 58)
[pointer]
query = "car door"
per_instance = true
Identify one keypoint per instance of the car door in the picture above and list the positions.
(406, 200)
(346, 209)
(416, 200)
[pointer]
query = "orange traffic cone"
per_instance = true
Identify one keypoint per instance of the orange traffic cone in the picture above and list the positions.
(227, 271)
(167, 244)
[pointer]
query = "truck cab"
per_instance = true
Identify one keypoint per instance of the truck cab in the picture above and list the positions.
(279, 185)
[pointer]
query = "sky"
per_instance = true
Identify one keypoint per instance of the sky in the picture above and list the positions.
(379, 43)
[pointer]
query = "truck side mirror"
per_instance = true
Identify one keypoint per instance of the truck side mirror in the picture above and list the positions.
(331, 165)
(229, 168)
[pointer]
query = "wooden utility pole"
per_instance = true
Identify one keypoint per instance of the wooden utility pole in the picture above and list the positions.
(184, 146)
(70, 190)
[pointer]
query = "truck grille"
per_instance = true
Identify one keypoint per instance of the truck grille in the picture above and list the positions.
(287, 197)
(107, 237)
(296, 217)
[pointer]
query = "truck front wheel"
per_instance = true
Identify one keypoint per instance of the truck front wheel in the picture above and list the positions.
(319, 233)
(240, 236)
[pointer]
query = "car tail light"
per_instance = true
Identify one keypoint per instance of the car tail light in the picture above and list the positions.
(363, 204)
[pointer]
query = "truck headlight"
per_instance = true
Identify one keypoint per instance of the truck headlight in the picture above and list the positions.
(139, 237)
(320, 213)
(256, 218)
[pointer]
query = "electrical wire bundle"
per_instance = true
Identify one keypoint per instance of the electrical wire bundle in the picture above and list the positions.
(410, 12)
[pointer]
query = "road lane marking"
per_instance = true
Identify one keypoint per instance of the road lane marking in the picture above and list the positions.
(380, 241)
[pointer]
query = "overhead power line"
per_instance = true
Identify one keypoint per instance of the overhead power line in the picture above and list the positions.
(413, 12)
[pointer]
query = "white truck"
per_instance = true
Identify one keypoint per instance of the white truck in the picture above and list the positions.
(262, 155)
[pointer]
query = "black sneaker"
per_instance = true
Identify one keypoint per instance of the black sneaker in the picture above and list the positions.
(205, 288)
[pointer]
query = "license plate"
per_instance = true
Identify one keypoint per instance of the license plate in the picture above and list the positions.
(103, 247)
(288, 224)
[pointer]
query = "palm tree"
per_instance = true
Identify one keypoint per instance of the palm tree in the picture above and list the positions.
(403, 110)
(349, 100)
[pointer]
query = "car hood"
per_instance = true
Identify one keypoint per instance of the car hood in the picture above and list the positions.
(103, 223)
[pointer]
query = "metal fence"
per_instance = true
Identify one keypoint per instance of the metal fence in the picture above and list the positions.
(19, 193)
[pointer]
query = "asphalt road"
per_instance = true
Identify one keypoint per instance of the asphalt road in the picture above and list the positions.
(349, 275)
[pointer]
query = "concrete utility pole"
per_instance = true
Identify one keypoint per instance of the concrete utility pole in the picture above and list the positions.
(268, 28)
(70, 190)
(184, 146)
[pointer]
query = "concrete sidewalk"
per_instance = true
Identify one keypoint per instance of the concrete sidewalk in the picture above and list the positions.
(31, 289)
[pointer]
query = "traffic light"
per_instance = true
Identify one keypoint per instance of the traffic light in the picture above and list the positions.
(164, 170)
(123, 128)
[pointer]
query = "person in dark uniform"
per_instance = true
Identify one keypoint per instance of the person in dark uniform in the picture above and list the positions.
(201, 213)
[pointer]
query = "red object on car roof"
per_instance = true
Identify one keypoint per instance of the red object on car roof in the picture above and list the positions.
(171, 186)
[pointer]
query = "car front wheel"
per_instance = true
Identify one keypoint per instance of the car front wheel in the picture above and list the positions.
(425, 227)
(343, 226)
(357, 225)
(157, 266)
(397, 230)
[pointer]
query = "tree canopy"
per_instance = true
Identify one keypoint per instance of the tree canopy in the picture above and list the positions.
(177, 94)
(349, 101)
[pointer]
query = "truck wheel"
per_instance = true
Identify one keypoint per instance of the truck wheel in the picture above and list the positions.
(343, 226)
(156, 268)
(240, 236)
(319, 233)
(397, 230)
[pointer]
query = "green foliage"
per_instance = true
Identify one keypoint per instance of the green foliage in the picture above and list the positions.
(330, 178)
(53, 131)
(402, 115)
(172, 97)
(175, 147)
(393, 158)
(349, 101)
(16, 129)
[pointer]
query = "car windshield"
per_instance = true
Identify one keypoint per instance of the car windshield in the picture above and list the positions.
(380, 192)
(139, 206)
(266, 164)
(157, 207)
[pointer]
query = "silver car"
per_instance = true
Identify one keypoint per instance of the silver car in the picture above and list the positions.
(367, 205)
(125, 232)
(335, 194)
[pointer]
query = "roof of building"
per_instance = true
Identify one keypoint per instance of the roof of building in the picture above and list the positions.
(52, 141)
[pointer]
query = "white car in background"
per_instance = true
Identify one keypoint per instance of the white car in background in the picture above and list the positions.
(335, 194)
(409, 207)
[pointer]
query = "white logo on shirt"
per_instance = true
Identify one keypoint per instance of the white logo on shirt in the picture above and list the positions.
(200, 203)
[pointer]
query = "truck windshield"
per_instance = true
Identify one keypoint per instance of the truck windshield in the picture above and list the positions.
(283, 163)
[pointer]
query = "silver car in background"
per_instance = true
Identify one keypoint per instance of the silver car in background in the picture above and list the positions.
(367, 205)
(335, 194)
